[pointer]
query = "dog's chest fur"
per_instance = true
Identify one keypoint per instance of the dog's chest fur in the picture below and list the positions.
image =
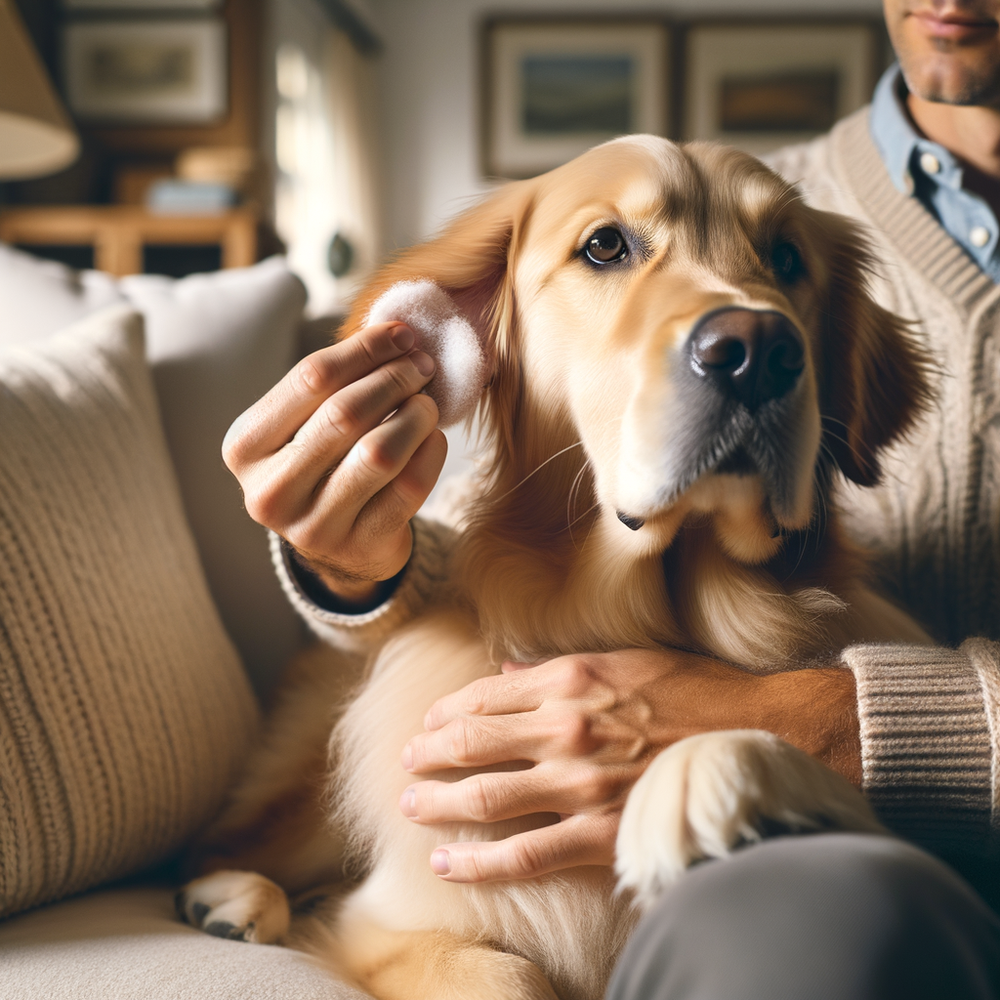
(570, 924)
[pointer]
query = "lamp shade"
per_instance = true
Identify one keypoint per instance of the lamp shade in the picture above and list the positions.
(36, 135)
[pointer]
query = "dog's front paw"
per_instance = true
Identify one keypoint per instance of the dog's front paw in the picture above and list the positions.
(241, 906)
(707, 794)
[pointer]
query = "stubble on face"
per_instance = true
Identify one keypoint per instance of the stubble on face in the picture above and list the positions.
(949, 50)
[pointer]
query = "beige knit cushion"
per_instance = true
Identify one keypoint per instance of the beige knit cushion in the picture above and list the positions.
(124, 710)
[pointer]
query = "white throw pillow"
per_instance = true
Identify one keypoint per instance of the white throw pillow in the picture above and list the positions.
(124, 709)
(216, 343)
(41, 296)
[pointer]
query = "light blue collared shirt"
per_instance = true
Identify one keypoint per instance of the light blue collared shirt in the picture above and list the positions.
(928, 172)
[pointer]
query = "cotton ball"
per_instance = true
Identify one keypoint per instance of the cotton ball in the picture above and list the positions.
(447, 336)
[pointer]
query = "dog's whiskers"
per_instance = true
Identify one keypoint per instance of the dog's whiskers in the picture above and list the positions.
(843, 439)
(571, 498)
(541, 465)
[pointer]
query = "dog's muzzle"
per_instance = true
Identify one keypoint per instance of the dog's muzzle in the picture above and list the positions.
(750, 356)
(737, 406)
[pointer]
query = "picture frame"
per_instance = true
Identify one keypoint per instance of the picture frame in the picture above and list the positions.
(146, 72)
(764, 83)
(553, 87)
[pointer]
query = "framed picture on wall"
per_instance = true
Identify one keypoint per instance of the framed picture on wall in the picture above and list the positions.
(146, 72)
(554, 87)
(763, 84)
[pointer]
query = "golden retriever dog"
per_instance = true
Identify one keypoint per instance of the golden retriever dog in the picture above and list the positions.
(681, 355)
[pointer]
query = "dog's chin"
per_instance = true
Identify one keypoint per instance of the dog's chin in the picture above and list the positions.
(750, 519)
(741, 514)
(737, 506)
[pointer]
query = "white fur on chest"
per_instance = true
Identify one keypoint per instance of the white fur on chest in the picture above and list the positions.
(570, 924)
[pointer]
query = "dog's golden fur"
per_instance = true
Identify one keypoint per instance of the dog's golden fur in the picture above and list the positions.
(578, 419)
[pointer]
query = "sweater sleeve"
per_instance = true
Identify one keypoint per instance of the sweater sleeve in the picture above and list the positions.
(930, 722)
(424, 580)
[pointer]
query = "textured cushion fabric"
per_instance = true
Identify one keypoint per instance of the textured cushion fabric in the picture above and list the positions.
(216, 343)
(124, 709)
(127, 944)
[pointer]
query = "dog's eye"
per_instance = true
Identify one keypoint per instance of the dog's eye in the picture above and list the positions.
(606, 245)
(786, 261)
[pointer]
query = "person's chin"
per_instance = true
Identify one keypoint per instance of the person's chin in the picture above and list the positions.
(954, 76)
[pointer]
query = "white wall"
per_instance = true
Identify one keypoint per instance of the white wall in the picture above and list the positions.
(430, 99)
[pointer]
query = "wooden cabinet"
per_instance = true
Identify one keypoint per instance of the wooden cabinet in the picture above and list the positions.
(122, 235)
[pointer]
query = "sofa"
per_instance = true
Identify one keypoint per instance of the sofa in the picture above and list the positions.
(141, 624)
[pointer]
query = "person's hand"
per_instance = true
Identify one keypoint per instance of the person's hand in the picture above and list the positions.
(590, 724)
(340, 454)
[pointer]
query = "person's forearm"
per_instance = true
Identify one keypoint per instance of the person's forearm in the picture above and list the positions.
(817, 711)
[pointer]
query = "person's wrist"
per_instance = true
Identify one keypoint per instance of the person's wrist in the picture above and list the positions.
(335, 592)
(816, 709)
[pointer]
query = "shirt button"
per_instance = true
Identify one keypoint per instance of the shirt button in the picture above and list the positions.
(979, 236)
(929, 163)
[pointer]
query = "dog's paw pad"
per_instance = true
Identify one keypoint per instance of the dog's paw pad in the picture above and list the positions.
(236, 906)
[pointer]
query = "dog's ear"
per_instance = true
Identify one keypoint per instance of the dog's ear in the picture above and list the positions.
(453, 291)
(874, 383)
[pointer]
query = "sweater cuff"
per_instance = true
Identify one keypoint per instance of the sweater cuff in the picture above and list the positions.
(926, 743)
(423, 580)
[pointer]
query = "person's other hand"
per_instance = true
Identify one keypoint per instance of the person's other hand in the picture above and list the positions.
(339, 456)
(589, 725)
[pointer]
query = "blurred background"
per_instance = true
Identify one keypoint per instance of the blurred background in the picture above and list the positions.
(214, 132)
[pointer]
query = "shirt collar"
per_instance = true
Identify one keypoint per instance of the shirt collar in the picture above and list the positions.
(900, 144)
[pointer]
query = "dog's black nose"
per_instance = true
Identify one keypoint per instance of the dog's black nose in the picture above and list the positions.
(751, 355)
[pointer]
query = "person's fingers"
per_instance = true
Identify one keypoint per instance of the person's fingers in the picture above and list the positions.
(405, 493)
(586, 839)
(327, 530)
(378, 544)
(376, 460)
(275, 418)
(523, 689)
(479, 741)
(342, 418)
(473, 743)
(498, 694)
(499, 795)
(510, 666)
(286, 481)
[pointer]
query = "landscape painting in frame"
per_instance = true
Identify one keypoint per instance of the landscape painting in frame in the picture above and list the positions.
(553, 88)
(761, 85)
(146, 72)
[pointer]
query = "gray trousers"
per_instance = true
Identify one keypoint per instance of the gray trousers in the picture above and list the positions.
(824, 917)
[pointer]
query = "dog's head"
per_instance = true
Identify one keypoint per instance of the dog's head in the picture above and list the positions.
(708, 337)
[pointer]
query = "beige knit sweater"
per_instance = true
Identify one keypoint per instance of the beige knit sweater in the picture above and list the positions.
(930, 717)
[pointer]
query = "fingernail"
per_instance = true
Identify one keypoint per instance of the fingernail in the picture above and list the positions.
(407, 758)
(402, 337)
(408, 803)
(424, 363)
(441, 863)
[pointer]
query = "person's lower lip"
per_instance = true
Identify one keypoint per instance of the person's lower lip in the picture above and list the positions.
(954, 29)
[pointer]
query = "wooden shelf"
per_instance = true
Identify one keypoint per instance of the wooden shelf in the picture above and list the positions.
(118, 233)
